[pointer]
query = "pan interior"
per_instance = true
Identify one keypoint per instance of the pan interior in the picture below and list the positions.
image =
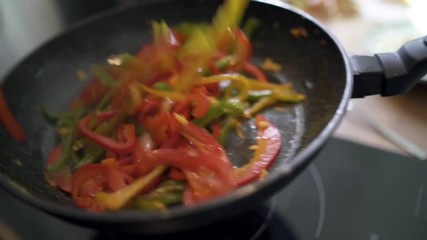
(311, 61)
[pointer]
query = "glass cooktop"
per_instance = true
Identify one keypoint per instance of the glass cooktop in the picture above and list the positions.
(348, 192)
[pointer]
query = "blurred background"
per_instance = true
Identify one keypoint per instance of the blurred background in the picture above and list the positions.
(362, 26)
(371, 26)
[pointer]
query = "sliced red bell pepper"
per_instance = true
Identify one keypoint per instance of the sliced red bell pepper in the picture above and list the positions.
(206, 173)
(157, 126)
(176, 174)
(174, 139)
(10, 123)
(244, 46)
(158, 58)
(151, 105)
(201, 104)
(257, 73)
(243, 50)
(141, 166)
(116, 178)
(187, 198)
(216, 130)
(118, 199)
(213, 89)
(88, 180)
(203, 161)
(268, 146)
(205, 143)
(205, 185)
(182, 107)
(128, 131)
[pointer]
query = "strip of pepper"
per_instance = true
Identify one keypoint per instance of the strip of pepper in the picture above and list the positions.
(268, 147)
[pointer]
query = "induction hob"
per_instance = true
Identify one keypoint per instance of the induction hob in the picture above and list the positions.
(348, 192)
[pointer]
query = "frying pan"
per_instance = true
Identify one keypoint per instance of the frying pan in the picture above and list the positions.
(317, 65)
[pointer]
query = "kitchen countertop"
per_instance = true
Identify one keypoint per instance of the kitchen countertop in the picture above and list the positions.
(26, 24)
(369, 32)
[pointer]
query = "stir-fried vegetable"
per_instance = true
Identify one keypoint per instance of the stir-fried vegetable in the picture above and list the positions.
(10, 123)
(150, 130)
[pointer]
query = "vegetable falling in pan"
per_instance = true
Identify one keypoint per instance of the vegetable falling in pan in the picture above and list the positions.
(150, 130)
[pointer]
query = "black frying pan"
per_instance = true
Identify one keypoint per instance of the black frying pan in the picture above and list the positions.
(317, 65)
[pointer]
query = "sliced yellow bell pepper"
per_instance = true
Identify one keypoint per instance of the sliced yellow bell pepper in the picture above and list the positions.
(118, 199)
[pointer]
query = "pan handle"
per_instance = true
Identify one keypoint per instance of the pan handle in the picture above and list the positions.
(390, 73)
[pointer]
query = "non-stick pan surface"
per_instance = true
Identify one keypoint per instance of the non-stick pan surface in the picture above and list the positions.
(315, 64)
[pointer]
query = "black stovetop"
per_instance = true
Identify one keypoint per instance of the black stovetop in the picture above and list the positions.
(348, 192)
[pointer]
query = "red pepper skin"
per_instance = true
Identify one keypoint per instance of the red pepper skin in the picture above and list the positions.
(205, 173)
(182, 107)
(106, 142)
(176, 174)
(10, 123)
(159, 56)
(187, 198)
(269, 144)
(243, 50)
(216, 130)
(202, 160)
(174, 157)
(116, 179)
(174, 139)
(213, 89)
(150, 106)
(141, 166)
(88, 180)
(206, 144)
(158, 126)
(257, 73)
(201, 104)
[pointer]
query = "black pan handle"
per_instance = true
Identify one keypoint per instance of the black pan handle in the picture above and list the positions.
(390, 73)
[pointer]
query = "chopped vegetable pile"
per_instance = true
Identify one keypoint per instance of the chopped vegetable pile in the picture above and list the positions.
(149, 131)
